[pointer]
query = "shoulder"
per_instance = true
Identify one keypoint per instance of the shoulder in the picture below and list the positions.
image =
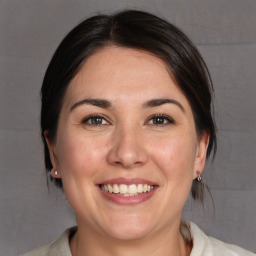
(57, 247)
(206, 245)
(42, 251)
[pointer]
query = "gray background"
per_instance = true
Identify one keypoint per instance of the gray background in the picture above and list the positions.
(225, 33)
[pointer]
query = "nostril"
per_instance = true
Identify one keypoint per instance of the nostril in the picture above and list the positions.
(127, 160)
(127, 151)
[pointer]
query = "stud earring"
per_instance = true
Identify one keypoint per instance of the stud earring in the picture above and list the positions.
(56, 173)
(199, 178)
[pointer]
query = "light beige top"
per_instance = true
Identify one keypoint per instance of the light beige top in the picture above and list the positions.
(203, 245)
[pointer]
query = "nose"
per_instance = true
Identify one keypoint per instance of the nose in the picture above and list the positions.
(128, 149)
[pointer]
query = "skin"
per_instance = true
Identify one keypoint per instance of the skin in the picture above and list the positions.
(127, 144)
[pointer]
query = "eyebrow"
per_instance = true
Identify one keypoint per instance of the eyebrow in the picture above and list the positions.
(95, 102)
(107, 104)
(159, 102)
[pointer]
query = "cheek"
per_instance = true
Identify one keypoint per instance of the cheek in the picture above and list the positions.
(175, 156)
(79, 155)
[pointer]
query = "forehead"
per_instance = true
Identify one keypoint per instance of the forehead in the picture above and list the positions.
(115, 71)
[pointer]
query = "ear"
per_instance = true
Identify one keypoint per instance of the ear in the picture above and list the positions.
(201, 152)
(50, 146)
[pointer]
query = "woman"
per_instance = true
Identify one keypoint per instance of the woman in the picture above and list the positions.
(127, 126)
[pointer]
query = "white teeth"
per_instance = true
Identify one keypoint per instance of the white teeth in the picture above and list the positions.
(140, 188)
(115, 189)
(110, 190)
(123, 189)
(133, 189)
(127, 190)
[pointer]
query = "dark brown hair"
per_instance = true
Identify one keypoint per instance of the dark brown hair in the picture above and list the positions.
(133, 29)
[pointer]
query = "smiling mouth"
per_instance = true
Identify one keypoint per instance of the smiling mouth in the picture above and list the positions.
(127, 190)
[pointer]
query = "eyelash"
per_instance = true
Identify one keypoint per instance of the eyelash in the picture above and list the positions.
(94, 117)
(166, 119)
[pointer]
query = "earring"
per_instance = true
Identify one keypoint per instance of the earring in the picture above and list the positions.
(199, 178)
(56, 173)
(198, 186)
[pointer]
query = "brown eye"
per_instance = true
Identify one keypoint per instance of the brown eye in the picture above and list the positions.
(95, 120)
(160, 120)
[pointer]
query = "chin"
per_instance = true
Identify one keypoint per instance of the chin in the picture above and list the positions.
(129, 232)
(129, 227)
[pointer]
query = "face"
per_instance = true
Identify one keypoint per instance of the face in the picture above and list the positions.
(126, 148)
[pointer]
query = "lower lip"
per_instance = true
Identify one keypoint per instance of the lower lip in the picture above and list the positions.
(128, 200)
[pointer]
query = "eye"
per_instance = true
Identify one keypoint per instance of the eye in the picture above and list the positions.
(95, 120)
(160, 119)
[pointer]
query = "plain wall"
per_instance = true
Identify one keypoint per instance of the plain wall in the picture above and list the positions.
(225, 33)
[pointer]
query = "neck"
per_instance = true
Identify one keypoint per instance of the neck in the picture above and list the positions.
(87, 243)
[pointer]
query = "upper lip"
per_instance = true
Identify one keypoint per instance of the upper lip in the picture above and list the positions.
(128, 181)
